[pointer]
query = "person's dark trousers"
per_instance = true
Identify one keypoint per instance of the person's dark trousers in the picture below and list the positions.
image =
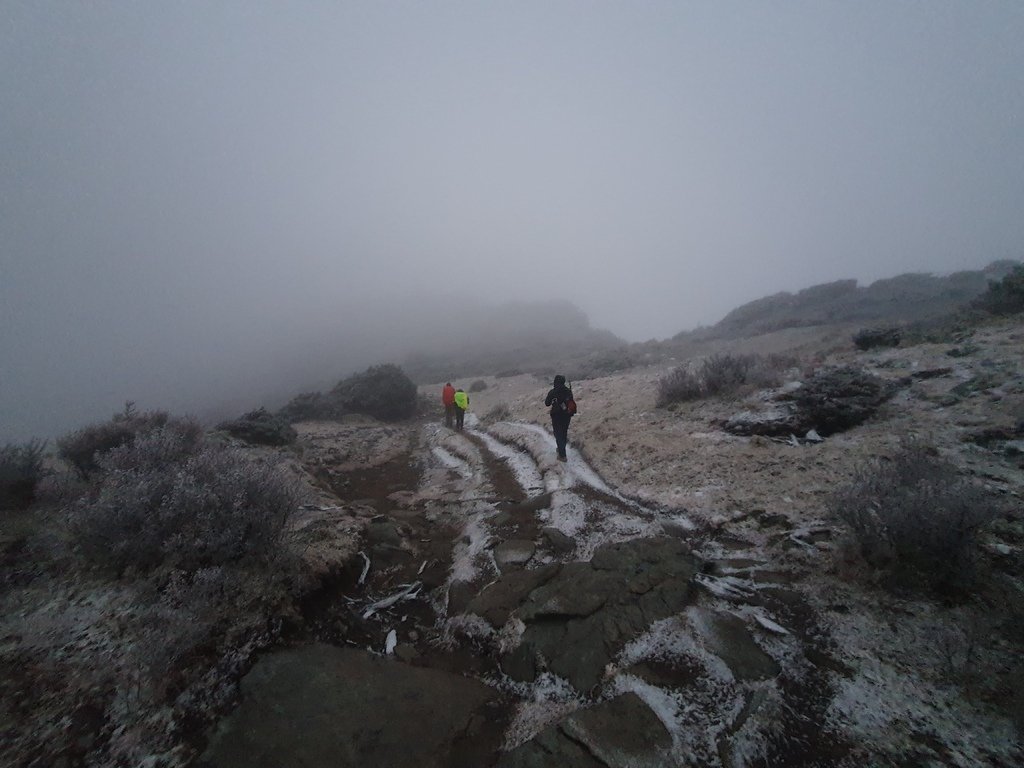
(460, 414)
(561, 428)
(449, 414)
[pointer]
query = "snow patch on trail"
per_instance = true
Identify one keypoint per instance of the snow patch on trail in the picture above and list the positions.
(470, 549)
(524, 469)
(546, 701)
(452, 462)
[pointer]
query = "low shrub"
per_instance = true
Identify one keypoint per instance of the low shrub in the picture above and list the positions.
(719, 375)
(913, 516)
(382, 391)
(870, 338)
(478, 386)
(498, 413)
(21, 469)
(82, 449)
(260, 427)
(1004, 297)
(309, 406)
(167, 500)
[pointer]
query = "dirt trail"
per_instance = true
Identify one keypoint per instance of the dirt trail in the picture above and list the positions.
(741, 669)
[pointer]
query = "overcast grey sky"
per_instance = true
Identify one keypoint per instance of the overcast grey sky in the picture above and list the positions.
(191, 182)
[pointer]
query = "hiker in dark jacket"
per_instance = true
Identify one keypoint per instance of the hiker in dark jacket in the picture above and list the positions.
(558, 400)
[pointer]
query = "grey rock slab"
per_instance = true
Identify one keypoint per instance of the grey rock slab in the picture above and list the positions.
(320, 706)
(728, 637)
(514, 552)
(579, 619)
(558, 541)
(621, 733)
(497, 602)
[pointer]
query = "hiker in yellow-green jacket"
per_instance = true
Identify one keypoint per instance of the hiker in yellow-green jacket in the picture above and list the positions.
(461, 404)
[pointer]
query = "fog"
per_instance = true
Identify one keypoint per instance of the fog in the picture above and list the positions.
(199, 202)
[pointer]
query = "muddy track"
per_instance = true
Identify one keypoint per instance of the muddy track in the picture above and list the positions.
(460, 512)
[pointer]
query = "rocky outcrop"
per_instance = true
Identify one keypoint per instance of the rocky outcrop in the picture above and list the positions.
(323, 706)
(577, 616)
(831, 401)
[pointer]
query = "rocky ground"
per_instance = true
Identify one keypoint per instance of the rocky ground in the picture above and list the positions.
(673, 595)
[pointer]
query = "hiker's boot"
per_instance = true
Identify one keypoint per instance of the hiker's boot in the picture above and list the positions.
(562, 457)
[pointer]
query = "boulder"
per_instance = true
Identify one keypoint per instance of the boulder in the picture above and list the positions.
(515, 552)
(319, 705)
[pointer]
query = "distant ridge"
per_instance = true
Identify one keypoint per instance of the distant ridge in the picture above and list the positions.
(902, 299)
(509, 338)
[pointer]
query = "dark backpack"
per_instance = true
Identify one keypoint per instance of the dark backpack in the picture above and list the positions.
(568, 404)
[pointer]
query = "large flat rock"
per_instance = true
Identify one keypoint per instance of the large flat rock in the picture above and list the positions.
(324, 707)
(621, 733)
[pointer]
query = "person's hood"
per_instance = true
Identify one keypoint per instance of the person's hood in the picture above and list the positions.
(559, 381)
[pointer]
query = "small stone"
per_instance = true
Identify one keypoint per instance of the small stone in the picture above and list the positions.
(406, 652)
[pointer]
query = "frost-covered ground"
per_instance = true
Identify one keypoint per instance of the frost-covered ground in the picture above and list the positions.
(885, 677)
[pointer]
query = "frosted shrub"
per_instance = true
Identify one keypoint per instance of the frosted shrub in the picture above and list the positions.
(83, 448)
(718, 375)
(167, 501)
(914, 516)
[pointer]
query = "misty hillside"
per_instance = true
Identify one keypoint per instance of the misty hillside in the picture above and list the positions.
(901, 299)
(509, 338)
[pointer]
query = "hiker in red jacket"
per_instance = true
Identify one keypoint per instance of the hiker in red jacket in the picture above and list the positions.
(448, 398)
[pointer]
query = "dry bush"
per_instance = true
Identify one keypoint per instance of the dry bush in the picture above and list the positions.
(720, 375)
(912, 515)
(478, 386)
(165, 500)
(21, 469)
(498, 413)
(83, 448)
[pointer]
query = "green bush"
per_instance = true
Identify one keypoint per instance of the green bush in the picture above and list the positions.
(21, 469)
(913, 516)
(260, 428)
(383, 391)
(1004, 297)
(167, 500)
(83, 448)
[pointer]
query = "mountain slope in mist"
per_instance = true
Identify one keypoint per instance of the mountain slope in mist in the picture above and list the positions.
(904, 298)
